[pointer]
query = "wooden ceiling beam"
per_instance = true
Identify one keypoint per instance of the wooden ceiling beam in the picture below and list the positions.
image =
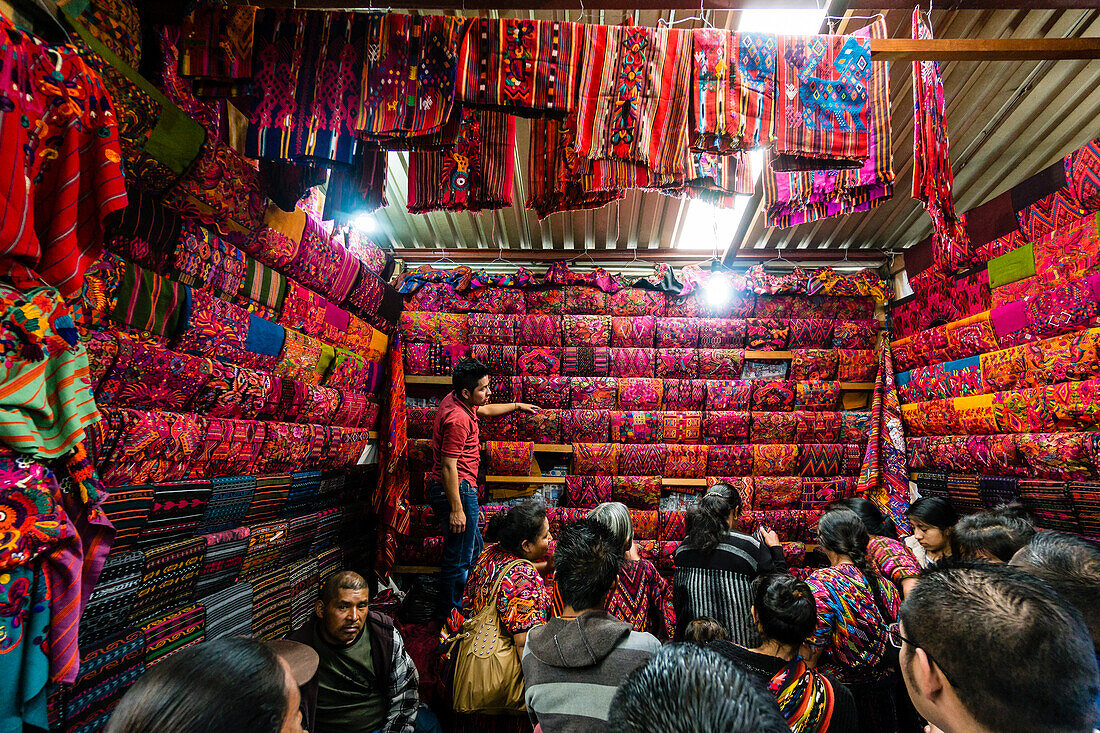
(984, 49)
(695, 5)
(862, 257)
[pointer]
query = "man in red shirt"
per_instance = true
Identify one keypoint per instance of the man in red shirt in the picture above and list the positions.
(452, 480)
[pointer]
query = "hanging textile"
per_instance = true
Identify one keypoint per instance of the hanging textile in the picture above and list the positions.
(391, 496)
(932, 175)
(408, 78)
(474, 173)
(216, 46)
(308, 85)
(883, 477)
(800, 197)
(360, 188)
(823, 115)
(524, 66)
(733, 80)
(553, 180)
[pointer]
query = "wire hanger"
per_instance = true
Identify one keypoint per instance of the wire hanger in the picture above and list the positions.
(585, 253)
(443, 258)
(778, 257)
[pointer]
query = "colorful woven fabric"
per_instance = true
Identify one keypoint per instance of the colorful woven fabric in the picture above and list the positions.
(680, 333)
(726, 427)
(683, 427)
(270, 605)
(685, 394)
(545, 301)
(810, 364)
(722, 333)
(816, 427)
(677, 363)
(636, 427)
(855, 334)
(632, 362)
(730, 460)
(727, 394)
(773, 427)
(1083, 175)
(637, 492)
(733, 77)
(636, 302)
(777, 492)
(584, 300)
(176, 513)
(637, 393)
(547, 392)
(1063, 308)
(720, 363)
(593, 393)
(686, 461)
(817, 395)
(542, 427)
(775, 460)
(172, 632)
(491, 328)
(1058, 455)
(766, 334)
(538, 330)
(585, 426)
(586, 492)
(774, 396)
(810, 333)
(821, 459)
(856, 366)
(577, 330)
(633, 331)
(642, 460)
(445, 328)
(539, 360)
(499, 360)
(596, 459)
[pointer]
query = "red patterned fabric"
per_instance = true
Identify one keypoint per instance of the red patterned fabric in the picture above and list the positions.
(596, 459)
(686, 461)
(637, 492)
(585, 426)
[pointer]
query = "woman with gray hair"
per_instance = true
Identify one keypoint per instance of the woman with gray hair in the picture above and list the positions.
(640, 596)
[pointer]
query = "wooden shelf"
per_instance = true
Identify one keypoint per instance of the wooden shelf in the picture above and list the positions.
(560, 480)
(852, 386)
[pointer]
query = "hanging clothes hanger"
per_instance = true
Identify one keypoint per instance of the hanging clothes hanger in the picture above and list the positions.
(443, 258)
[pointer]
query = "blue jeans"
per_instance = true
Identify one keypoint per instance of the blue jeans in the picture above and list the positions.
(460, 551)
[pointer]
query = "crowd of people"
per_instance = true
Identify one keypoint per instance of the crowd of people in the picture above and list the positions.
(974, 624)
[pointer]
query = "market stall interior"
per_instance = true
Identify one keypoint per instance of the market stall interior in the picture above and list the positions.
(812, 253)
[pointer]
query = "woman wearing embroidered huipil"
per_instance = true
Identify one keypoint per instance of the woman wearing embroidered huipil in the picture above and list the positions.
(855, 607)
(715, 566)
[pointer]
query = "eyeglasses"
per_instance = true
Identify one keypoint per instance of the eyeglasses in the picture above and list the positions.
(893, 633)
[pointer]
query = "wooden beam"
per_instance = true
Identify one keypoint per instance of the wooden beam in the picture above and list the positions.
(861, 256)
(618, 5)
(984, 49)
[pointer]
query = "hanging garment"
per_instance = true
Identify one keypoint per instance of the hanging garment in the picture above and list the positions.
(733, 80)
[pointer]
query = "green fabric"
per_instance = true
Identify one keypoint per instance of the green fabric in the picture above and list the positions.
(177, 139)
(148, 302)
(327, 355)
(348, 700)
(263, 285)
(1016, 265)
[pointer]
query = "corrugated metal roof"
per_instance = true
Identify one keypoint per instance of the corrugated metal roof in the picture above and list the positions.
(1007, 121)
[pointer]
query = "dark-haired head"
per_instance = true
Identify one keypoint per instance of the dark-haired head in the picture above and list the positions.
(521, 530)
(688, 689)
(342, 607)
(586, 562)
(842, 535)
(868, 511)
(933, 520)
(711, 517)
(784, 608)
(990, 535)
(470, 380)
(1070, 565)
(704, 630)
(234, 685)
(1016, 655)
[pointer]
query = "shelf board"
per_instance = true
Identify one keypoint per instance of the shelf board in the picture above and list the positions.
(560, 480)
(852, 386)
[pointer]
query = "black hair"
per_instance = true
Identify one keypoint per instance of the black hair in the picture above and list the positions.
(785, 608)
(343, 580)
(933, 511)
(689, 689)
(990, 533)
(703, 630)
(512, 527)
(842, 531)
(586, 562)
(466, 374)
(871, 515)
(233, 684)
(1070, 565)
(707, 519)
(1017, 654)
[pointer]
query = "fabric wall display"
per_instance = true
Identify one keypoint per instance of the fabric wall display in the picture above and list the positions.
(508, 458)
(585, 426)
(855, 334)
(123, 293)
(773, 427)
(109, 606)
(637, 302)
(801, 197)
(168, 578)
(107, 669)
(525, 66)
(144, 230)
(856, 366)
(677, 333)
(233, 392)
(973, 335)
(811, 333)
(676, 363)
(1085, 496)
(222, 560)
(685, 427)
(636, 427)
(811, 364)
(720, 363)
(148, 447)
(270, 605)
(374, 299)
(632, 362)
(733, 76)
(730, 460)
(303, 310)
(811, 134)
(722, 333)
(774, 396)
(544, 360)
(146, 375)
(726, 427)
(640, 394)
(1059, 455)
(637, 492)
(1049, 503)
(473, 173)
(633, 331)
(766, 334)
(593, 393)
(1063, 308)
(685, 394)
(128, 509)
(821, 459)
(269, 499)
(304, 359)
(538, 330)
(262, 344)
(586, 492)
(447, 328)
(1049, 213)
(212, 327)
(499, 360)
(579, 330)
(489, 328)
(547, 392)
(349, 372)
(396, 101)
(642, 460)
(434, 359)
(787, 307)
(596, 459)
(1012, 266)
(176, 513)
(777, 492)
(303, 581)
(685, 461)
(775, 459)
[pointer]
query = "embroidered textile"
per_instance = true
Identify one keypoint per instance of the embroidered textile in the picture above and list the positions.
(720, 363)
(596, 459)
(585, 426)
(637, 492)
(733, 80)
(677, 363)
(726, 427)
(636, 427)
(633, 331)
(685, 394)
(538, 330)
(686, 461)
(677, 333)
(587, 492)
(642, 460)
(540, 360)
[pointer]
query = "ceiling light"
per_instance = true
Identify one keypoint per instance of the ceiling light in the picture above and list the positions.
(789, 22)
(363, 221)
(717, 290)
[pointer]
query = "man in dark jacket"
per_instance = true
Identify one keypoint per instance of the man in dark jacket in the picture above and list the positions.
(366, 681)
(573, 665)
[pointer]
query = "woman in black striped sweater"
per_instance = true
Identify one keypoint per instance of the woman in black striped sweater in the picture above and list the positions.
(715, 566)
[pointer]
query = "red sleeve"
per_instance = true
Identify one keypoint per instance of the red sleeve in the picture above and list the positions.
(452, 438)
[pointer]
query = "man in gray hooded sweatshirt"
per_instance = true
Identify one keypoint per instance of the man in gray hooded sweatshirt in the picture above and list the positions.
(573, 665)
